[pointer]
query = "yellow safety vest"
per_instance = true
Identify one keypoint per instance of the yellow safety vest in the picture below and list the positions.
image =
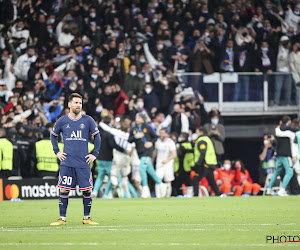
(188, 160)
(46, 158)
(7, 153)
(210, 156)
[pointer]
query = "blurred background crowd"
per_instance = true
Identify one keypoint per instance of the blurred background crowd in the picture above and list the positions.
(122, 56)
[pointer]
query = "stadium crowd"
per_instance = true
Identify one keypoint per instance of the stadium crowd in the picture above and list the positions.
(122, 56)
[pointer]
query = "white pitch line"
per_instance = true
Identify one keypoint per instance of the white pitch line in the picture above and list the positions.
(158, 225)
(148, 244)
(141, 229)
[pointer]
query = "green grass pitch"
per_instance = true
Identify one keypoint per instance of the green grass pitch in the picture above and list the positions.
(196, 223)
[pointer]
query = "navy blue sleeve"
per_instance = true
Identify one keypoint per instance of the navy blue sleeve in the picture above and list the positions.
(54, 142)
(97, 144)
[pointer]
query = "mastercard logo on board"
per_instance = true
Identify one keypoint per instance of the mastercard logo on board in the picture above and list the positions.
(11, 191)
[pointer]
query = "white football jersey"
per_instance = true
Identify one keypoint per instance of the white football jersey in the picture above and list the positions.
(164, 150)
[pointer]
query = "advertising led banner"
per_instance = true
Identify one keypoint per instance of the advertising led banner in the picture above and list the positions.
(32, 189)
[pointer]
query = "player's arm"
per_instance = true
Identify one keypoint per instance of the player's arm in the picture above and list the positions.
(97, 142)
(202, 147)
(54, 140)
(111, 130)
(153, 138)
(154, 154)
(131, 136)
(171, 157)
(114, 145)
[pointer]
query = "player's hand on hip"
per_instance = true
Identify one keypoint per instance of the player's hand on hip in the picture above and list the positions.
(90, 158)
(61, 156)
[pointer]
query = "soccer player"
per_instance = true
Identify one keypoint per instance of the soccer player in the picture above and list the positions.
(75, 159)
(165, 153)
(121, 160)
(144, 138)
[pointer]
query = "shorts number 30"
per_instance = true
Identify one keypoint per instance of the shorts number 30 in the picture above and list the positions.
(67, 180)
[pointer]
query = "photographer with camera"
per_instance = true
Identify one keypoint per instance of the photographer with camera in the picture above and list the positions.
(267, 158)
(216, 133)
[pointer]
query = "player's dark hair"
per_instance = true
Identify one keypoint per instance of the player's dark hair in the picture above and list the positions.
(165, 129)
(285, 119)
(124, 125)
(201, 129)
(106, 119)
(74, 95)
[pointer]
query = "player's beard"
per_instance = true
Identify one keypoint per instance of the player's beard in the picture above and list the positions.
(76, 111)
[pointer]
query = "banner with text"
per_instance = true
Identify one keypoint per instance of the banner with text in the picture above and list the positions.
(32, 189)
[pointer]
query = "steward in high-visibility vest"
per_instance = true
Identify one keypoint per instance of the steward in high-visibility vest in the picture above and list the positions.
(47, 164)
(6, 155)
(183, 163)
(205, 162)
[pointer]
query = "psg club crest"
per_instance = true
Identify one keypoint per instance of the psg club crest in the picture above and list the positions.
(81, 126)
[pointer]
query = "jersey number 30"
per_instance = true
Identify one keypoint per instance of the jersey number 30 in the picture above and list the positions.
(67, 180)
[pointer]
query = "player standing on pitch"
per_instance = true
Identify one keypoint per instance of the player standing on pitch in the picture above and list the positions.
(75, 160)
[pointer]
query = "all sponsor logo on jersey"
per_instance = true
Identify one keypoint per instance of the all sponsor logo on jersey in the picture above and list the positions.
(76, 136)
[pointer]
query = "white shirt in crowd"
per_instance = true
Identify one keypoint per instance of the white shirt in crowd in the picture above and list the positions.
(184, 123)
(22, 66)
(294, 60)
(291, 19)
(164, 151)
(283, 60)
(20, 34)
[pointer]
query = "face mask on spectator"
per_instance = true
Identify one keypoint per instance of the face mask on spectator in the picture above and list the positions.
(179, 139)
(73, 88)
(268, 5)
(14, 2)
(30, 96)
(52, 20)
(226, 166)
(154, 20)
(3, 58)
(142, 60)
(94, 76)
(140, 105)
(170, 5)
(264, 49)
(159, 46)
(133, 73)
(99, 109)
(296, 12)
(205, 11)
(148, 90)
(2, 93)
(155, 4)
(69, 18)
(19, 29)
(50, 31)
(266, 142)
(92, 15)
(214, 121)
